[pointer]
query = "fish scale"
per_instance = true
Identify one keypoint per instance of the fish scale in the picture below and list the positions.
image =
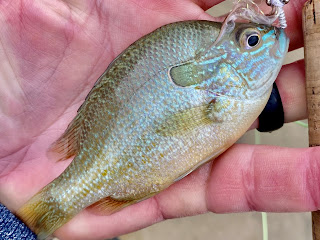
(170, 102)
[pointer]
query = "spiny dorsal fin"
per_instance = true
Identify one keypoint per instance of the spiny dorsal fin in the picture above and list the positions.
(68, 144)
(108, 205)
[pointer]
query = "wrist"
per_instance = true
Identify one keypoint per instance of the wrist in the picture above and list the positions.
(12, 228)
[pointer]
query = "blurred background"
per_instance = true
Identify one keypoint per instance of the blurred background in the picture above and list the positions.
(240, 226)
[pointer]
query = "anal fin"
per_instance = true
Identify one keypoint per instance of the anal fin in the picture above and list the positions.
(108, 205)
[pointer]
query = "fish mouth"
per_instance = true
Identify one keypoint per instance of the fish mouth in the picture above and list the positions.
(282, 40)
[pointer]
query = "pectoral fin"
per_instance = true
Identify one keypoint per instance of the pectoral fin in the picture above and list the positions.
(217, 111)
(184, 121)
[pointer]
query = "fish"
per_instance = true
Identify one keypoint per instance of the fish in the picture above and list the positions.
(173, 100)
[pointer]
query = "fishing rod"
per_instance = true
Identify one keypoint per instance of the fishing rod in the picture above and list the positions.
(311, 32)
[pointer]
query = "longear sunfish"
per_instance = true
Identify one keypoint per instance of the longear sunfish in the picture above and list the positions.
(170, 102)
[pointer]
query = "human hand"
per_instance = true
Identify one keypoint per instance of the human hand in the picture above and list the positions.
(52, 53)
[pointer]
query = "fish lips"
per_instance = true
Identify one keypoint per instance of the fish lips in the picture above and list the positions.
(283, 41)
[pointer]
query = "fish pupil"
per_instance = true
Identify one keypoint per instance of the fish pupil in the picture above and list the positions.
(253, 40)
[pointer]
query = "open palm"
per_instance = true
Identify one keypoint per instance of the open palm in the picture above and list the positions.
(51, 54)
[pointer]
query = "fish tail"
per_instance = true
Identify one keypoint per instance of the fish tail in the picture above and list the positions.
(41, 215)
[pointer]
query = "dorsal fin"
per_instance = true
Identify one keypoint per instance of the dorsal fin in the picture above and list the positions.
(68, 144)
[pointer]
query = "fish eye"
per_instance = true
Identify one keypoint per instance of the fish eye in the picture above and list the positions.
(249, 38)
(253, 40)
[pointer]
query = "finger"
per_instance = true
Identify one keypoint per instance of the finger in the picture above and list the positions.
(293, 11)
(250, 178)
(245, 178)
(264, 178)
(291, 85)
(87, 226)
(206, 4)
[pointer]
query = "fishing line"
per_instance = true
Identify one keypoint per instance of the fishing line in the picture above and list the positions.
(278, 5)
(303, 124)
(264, 225)
(264, 217)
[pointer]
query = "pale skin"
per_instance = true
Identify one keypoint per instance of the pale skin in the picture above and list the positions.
(51, 53)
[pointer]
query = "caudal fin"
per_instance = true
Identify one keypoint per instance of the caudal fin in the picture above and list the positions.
(41, 215)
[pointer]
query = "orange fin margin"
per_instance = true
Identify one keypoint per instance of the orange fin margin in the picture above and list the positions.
(108, 205)
(67, 145)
